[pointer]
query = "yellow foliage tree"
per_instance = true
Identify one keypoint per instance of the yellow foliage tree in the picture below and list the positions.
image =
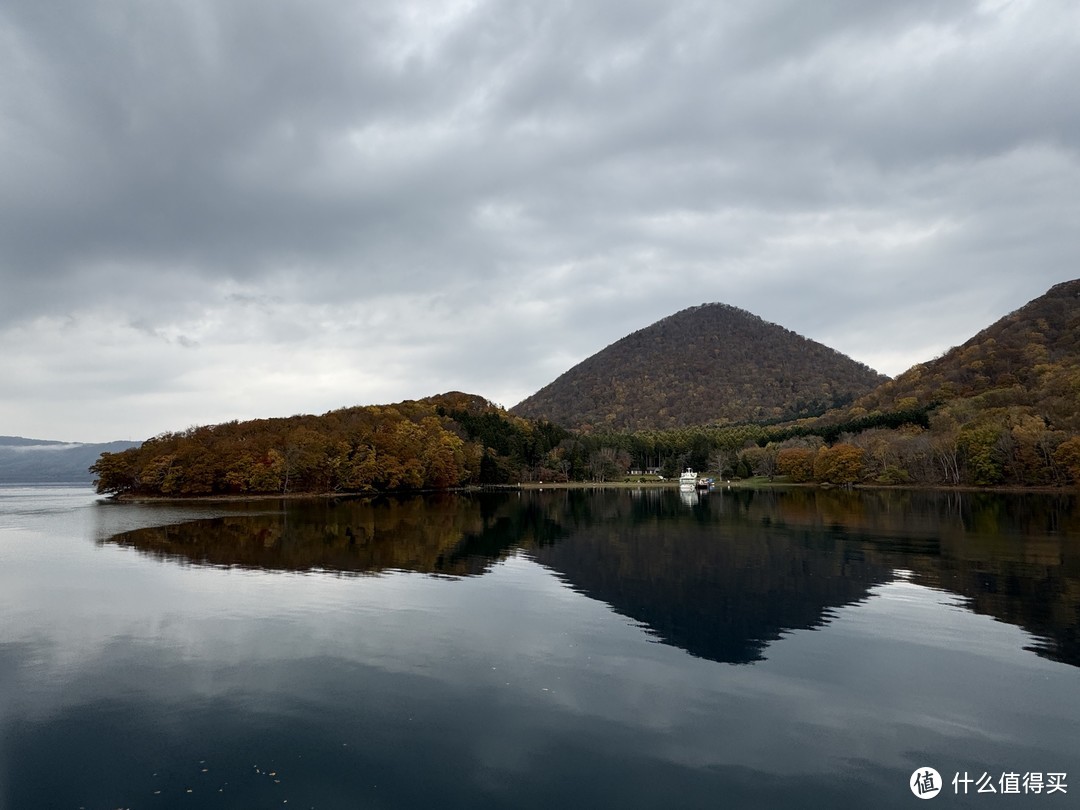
(840, 464)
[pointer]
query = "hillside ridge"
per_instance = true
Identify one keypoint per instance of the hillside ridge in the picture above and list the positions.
(708, 364)
(1030, 357)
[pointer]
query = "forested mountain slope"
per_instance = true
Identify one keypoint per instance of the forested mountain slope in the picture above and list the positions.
(1030, 359)
(711, 364)
(1002, 408)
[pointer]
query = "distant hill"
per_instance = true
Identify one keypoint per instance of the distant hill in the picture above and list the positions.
(710, 364)
(38, 461)
(19, 441)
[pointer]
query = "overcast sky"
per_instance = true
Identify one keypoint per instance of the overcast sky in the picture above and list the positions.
(217, 210)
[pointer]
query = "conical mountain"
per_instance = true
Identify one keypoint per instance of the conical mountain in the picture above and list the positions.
(710, 364)
(1028, 360)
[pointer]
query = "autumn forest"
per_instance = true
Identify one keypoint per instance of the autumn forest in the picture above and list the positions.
(999, 410)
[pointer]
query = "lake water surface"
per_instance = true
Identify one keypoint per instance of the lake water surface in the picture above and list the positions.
(605, 648)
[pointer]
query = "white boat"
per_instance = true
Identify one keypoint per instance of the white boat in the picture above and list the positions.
(688, 479)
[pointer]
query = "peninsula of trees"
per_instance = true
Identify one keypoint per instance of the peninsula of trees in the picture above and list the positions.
(435, 443)
(1001, 409)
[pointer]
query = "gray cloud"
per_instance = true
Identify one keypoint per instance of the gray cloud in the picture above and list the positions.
(214, 211)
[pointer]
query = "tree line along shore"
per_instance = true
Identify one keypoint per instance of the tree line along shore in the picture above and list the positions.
(455, 440)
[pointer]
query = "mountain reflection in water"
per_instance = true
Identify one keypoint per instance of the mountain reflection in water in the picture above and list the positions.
(721, 577)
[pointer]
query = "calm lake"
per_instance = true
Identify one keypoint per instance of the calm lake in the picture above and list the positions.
(608, 648)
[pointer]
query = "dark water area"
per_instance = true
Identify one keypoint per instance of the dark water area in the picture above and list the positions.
(605, 648)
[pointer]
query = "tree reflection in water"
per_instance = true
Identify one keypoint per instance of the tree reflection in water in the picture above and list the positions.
(721, 577)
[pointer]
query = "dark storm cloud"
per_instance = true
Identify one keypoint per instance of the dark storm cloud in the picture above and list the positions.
(478, 195)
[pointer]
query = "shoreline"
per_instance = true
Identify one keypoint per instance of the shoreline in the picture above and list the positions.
(537, 486)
